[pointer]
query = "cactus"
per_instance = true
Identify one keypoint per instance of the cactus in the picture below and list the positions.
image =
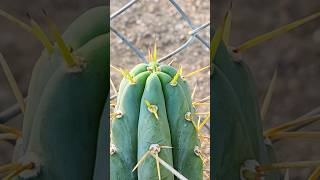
(66, 97)
(153, 123)
(239, 118)
(242, 150)
(101, 170)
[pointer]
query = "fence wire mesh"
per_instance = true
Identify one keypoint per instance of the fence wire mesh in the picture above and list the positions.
(193, 33)
(196, 34)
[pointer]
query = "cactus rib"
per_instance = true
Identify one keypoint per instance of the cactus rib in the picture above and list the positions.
(163, 119)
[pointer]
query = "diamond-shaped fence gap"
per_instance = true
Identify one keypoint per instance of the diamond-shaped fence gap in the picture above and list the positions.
(192, 55)
(198, 7)
(186, 18)
(144, 31)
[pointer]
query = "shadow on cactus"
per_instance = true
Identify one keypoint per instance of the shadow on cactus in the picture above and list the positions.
(66, 97)
(241, 148)
(155, 133)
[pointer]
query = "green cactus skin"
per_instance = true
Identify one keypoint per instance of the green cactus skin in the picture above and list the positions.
(101, 170)
(120, 169)
(87, 26)
(184, 136)
(65, 140)
(129, 103)
(92, 23)
(170, 129)
(64, 107)
(172, 71)
(153, 131)
(237, 126)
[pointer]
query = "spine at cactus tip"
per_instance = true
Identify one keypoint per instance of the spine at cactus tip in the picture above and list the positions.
(152, 124)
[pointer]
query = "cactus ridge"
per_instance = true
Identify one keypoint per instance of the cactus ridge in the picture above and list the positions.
(64, 106)
(153, 112)
(75, 36)
(235, 95)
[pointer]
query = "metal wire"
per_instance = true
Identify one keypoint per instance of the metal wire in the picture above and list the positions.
(194, 33)
(124, 8)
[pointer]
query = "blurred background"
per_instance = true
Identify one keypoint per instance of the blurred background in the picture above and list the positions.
(150, 19)
(297, 55)
(21, 50)
(140, 24)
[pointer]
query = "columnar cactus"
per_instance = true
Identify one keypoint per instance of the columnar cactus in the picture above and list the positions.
(101, 170)
(153, 119)
(66, 97)
(242, 150)
(237, 126)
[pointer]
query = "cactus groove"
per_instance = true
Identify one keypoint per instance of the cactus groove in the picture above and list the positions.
(153, 117)
(238, 126)
(61, 138)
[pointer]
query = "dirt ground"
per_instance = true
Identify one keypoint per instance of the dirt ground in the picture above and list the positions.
(297, 56)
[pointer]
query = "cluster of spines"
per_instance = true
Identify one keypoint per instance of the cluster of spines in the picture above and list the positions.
(154, 149)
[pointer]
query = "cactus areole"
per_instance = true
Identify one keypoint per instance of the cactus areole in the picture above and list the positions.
(153, 118)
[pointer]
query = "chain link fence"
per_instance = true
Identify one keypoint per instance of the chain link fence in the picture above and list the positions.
(193, 33)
